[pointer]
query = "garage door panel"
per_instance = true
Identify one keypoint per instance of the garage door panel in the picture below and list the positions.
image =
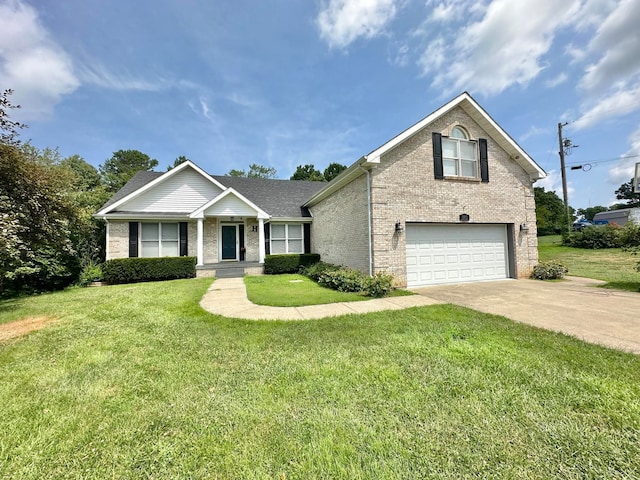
(455, 253)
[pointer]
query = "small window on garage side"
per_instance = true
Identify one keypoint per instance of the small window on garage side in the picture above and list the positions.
(459, 155)
(287, 238)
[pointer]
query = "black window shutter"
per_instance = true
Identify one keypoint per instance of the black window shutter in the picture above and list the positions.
(307, 237)
(243, 250)
(267, 236)
(438, 170)
(184, 245)
(133, 239)
(484, 160)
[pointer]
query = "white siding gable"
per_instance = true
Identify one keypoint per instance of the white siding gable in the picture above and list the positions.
(230, 206)
(183, 192)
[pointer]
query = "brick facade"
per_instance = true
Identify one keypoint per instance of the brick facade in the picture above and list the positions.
(340, 230)
(403, 189)
(118, 240)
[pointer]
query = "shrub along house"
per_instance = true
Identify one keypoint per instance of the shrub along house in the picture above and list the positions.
(448, 200)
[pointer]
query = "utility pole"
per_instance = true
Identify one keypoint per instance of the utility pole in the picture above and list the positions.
(564, 175)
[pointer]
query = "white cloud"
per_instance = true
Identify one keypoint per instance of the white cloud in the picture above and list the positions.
(505, 47)
(616, 41)
(204, 107)
(31, 63)
(341, 22)
(553, 183)
(618, 103)
(610, 85)
(554, 82)
(532, 132)
(625, 170)
(99, 75)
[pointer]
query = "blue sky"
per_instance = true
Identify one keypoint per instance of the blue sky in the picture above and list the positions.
(284, 82)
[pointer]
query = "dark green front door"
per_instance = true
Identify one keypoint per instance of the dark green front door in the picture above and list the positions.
(229, 234)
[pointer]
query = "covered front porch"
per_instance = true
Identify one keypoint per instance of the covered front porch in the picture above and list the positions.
(229, 229)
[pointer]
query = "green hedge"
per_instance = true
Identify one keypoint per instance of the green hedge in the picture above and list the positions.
(131, 270)
(289, 263)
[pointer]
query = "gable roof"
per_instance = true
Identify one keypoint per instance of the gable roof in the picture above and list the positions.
(161, 177)
(277, 198)
(199, 213)
(473, 109)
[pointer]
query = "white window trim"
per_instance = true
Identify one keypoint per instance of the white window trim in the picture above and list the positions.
(159, 224)
(459, 158)
(286, 237)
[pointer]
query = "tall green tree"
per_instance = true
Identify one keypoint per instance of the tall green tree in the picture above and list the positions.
(590, 212)
(8, 128)
(625, 192)
(550, 212)
(179, 160)
(333, 170)
(255, 171)
(307, 172)
(88, 194)
(37, 219)
(122, 166)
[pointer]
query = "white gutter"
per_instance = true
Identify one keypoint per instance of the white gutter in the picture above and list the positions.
(369, 219)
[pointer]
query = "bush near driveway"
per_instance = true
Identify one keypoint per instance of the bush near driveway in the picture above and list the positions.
(612, 265)
(345, 279)
(549, 271)
(604, 236)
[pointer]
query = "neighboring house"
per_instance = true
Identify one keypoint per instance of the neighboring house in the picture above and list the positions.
(619, 217)
(448, 200)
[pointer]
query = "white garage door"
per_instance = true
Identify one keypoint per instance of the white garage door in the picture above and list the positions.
(439, 254)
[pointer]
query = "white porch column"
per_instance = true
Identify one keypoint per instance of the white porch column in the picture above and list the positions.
(200, 241)
(261, 240)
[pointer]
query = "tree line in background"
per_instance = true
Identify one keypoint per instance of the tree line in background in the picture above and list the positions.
(49, 237)
(550, 212)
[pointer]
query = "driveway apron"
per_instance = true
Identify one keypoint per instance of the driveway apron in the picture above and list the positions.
(575, 307)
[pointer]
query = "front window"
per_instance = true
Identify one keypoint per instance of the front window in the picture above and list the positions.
(459, 158)
(160, 240)
(286, 238)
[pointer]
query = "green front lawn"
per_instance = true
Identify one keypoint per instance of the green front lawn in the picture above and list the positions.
(611, 265)
(137, 381)
(293, 290)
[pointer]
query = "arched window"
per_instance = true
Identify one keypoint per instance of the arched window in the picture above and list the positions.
(459, 154)
(458, 132)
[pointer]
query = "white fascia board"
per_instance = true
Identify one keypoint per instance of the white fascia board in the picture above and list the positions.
(517, 152)
(199, 213)
(467, 102)
(142, 216)
(160, 179)
(291, 220)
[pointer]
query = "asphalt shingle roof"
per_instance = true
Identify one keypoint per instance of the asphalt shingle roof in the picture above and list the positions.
(279, 198)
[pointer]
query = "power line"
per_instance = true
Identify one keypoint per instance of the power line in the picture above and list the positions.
(596, 162)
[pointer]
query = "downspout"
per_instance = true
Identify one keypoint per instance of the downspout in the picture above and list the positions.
(369, 219)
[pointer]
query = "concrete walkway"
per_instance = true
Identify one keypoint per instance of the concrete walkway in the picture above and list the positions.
(574, 307)
(228, 297)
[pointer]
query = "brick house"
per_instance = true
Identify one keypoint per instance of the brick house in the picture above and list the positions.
(448, 200)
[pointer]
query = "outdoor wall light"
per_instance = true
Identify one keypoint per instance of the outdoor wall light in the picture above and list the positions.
(524, 227)
(398, 227)
(464, 217)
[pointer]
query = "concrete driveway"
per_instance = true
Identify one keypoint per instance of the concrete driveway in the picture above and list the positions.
(575, 307)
